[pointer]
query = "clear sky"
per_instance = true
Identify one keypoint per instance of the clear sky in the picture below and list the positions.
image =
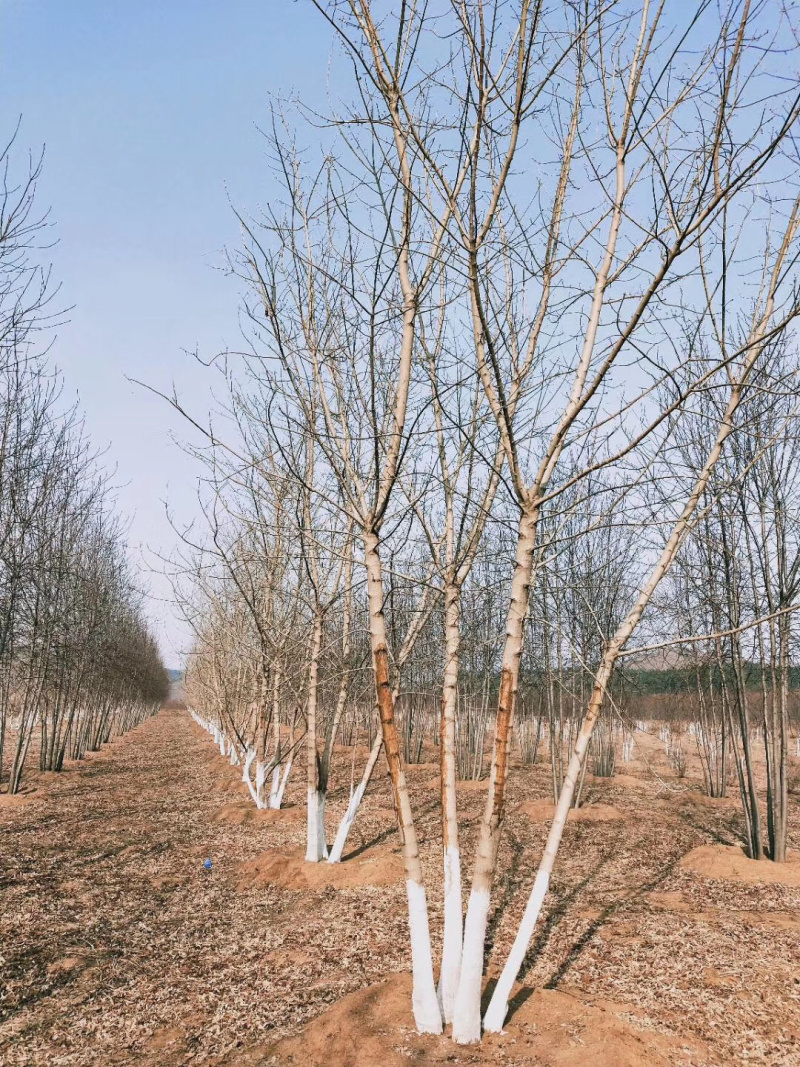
(148, 114)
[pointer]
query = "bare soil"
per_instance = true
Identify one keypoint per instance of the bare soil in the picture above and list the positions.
(116, 946)
(545, 810)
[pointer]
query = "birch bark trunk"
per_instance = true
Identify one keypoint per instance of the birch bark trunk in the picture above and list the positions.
(498, 1006)
(316, 848)
(427, 1014)
(467, 1008)
(275, 793)
(453, 915)
(348, 818)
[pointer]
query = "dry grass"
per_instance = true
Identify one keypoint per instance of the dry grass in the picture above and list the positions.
(118, 948)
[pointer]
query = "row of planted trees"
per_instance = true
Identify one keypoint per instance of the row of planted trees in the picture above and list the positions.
(743, 563)
(520, 317)
(77, 662)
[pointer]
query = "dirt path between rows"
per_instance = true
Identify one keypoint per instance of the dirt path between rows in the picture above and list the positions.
(116, 947)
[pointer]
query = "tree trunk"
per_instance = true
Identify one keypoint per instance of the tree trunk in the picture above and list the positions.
(427, 1014)
(316, 847)
(467, 1012)
(453, 914)
(348, 818)
(498, 1006)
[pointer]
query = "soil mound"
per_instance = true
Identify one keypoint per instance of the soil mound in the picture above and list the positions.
(626, 781)
(374, 1028)
(15, 800)
(729, 863)
(472, 784)
(374, 867)
(228, 783)
(543, 811)
(239, 814)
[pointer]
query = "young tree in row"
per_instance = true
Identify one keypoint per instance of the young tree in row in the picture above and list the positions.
(663, 144)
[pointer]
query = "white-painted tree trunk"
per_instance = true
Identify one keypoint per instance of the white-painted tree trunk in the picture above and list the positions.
(466, 1018)
(452, 946)
(276, 783)
(424, 1002)
(286, 772)
(248, 781)
(498, 1006)
(316, 846)
(261, 777)
(467, 1010)
(453, 914)
(355, 800)
(427, 1014)
(316, 850)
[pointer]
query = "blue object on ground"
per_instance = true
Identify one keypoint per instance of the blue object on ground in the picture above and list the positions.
(207, 865)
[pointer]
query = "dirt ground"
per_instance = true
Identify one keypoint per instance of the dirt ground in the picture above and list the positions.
(661, 944)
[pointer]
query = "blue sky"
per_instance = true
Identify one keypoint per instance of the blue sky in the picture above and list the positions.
(148, 114)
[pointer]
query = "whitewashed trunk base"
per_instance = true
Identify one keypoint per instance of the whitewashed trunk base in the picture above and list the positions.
(425, 1003)
(316, 846)
(261, 777)
(276, 784)
(453, 933)
(344, 826)
(498, 1006)
(282, 789)
(467, 1013)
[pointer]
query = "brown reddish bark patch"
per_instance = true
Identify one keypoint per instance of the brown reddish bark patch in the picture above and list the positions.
(374, 1028)
(241, 814)
(542, 810)
(729, 863)
(377, 867)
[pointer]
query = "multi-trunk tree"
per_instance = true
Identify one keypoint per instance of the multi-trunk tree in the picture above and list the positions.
(535, 241)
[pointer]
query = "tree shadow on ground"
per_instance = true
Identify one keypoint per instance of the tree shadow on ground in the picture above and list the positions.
(384, 835)
(510, 886)
(605, 916)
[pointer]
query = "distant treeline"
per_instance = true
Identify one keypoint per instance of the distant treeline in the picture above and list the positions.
(675, 680)
(664, 682)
